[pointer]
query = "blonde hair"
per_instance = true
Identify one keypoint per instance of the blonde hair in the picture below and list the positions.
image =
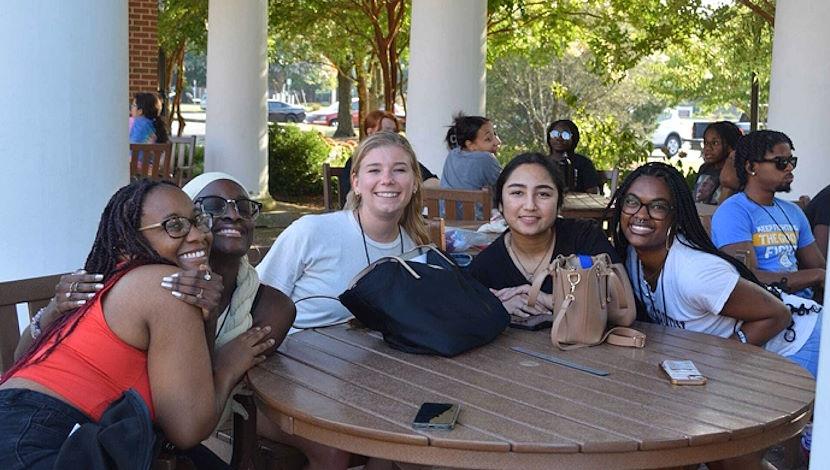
(412, 220)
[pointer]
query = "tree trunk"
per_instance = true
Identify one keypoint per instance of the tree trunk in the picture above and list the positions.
(344, 111)
(362, 96)
(753, 103)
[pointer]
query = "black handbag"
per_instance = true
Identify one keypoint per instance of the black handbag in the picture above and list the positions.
(426, 305)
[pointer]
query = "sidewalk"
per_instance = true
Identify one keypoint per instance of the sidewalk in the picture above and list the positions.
(271, 223)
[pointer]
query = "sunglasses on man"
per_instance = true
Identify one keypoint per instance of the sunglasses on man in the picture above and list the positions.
(564, 135)
(781, 162)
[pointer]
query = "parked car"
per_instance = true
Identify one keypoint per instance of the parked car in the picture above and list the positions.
(279, 111)
(328, 116)
(674, 126)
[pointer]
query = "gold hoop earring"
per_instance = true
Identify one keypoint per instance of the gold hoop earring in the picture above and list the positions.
(668, 239)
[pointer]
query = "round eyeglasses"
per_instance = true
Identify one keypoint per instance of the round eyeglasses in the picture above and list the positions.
(178, 226)
(657, 209)
(218, 206)
(564, 135)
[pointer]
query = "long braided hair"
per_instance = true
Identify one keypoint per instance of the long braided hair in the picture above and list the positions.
(752, 148)
(118, 248)
(685, 220)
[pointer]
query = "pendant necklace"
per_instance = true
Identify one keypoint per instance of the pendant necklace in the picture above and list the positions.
(785, 234)
(528, 274)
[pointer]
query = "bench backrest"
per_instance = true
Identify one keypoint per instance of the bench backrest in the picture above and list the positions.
(153, 161)
(34, 293)
(454, 199)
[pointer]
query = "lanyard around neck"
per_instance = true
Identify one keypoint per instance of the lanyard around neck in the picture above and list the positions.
(363, 234)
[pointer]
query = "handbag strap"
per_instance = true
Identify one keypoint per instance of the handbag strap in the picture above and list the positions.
(617, 336)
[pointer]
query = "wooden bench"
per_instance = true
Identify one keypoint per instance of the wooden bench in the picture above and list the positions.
(465, 199)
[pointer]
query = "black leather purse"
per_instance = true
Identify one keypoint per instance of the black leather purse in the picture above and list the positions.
(423, 303)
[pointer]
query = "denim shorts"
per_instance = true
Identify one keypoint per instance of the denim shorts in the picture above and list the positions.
(807, 356)
(33, 426)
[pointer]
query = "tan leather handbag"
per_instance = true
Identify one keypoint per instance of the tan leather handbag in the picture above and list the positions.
(586, 299)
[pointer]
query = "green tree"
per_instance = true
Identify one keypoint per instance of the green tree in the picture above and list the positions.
(181, 27)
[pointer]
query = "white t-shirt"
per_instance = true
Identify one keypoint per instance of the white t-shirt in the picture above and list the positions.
(320, 255)
(691, 291)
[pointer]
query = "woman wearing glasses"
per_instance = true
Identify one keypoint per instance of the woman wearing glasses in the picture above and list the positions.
(132, 335)
(683, 281)
(529, 193)
(225, 288)
(580, 175)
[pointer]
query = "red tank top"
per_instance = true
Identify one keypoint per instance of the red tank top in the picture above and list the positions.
(92, 367)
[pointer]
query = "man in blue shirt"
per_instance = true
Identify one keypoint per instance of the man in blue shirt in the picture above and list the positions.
(771, 235)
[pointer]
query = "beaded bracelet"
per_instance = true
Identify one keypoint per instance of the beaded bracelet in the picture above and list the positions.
(34, 327)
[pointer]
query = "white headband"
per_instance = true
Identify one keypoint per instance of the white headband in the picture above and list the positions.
(197, 184)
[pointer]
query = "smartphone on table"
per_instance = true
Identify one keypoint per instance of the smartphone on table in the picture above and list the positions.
(683, 373)
(436, 416)
(532, 323)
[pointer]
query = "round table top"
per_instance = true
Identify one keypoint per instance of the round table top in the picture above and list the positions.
(346, 388)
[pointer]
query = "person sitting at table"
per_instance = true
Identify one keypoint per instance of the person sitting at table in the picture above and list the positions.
(381, 121)
(529, 193)
(771, 234)
(719, 140)
(315, 258)
(818, 213)
(132, 335)
(471, 162)
(683, 281)
(579, 173)
(227, 290)
(146, 125)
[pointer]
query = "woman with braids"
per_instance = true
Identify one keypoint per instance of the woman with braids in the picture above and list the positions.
(131, 335)
(683, 281)
(146, 127)
(719, 140)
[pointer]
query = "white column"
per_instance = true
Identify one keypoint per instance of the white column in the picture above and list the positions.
(447, 50)
(236, 128)
(799, 102)
(64, 146)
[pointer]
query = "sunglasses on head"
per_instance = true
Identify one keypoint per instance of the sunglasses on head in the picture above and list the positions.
(564, 135)
(781, 162)
(218, 206)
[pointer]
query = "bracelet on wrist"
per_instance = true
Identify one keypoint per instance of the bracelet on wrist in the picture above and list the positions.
(741, 335)
(34, 326)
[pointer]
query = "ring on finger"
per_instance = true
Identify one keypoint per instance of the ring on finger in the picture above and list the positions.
(200, 294)
(207, 276)
(73, 287)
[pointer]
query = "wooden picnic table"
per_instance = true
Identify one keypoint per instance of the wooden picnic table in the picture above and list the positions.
(344, 387)
(585, 206)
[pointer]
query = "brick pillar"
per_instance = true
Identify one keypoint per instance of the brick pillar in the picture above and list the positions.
(143, 46)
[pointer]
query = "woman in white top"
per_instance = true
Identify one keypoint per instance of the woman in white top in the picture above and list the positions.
(683, 281)
(315, 258)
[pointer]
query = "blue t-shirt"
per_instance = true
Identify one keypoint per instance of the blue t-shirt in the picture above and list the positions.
(776, 232)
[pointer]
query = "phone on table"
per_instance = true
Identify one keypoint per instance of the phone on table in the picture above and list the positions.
(683, 373)
(532, 323)
(436, 416)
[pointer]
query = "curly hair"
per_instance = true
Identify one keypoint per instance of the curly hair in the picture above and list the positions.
(752, 148)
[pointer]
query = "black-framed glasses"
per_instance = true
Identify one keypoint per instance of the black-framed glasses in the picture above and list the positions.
(178, 226)
(564, 135)
(657, 209)
(781, 162)
(218, 206)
